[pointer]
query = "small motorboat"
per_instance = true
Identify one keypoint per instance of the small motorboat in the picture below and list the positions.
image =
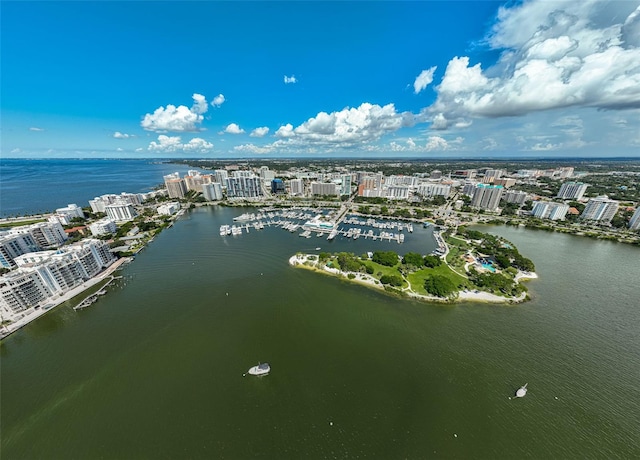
(260, 369)
(522, 391)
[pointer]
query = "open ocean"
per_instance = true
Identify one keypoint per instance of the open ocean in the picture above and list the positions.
(41, 185)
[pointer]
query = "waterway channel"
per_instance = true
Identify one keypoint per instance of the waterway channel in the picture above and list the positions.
(155, 368)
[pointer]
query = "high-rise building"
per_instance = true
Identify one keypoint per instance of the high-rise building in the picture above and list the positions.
(345, 187)
(277, 186)
(514, 196)
(324, 188)
(429, 190)
(398, 192)
(176, 188)
(634, 223)
(572, 190)
(105, 226)
(487, 196)
(120, 211)
(14, 245)
(490, 175)
(212, 191)
(600, 209)
(220, 176)
(548, 210)
(244, 187)
(194, 182)
(45, 234)
(296, 187)
(435, 174)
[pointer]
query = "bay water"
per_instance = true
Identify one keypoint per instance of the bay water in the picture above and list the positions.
(154, 369)
(36, 186)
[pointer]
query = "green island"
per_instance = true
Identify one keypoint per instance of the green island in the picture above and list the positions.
(472, 266)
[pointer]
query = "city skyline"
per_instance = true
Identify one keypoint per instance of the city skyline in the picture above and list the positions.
(321, 79)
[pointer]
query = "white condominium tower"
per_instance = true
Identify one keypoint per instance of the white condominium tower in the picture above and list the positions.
(296, 187)
(548, 210)
(487, 196)
(572, 190)
(600, 209)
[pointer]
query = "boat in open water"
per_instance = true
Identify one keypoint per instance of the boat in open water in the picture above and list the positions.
(260, 369)
(522, 391)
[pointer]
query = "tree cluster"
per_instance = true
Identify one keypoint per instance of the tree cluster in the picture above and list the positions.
(387, 258)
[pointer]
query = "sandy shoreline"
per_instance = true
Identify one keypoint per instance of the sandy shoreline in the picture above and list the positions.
(299, 260)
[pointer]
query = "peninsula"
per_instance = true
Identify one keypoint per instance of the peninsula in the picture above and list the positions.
(468, 266)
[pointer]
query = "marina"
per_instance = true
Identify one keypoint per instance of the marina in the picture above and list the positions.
(311, 221)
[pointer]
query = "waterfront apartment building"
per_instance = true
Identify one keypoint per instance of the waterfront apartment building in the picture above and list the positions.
(324, 189)
(220, 176)
(168, 209)
(45, 234)
(296, 187)
(176, 188)
(486, 197)
(430, 190)
(65, 215)
(572, 191)
(548, 210)
(244, 187)
(104, 226)
(43, 274)
(514, 196)
(634, 223)
(14, 245)
(120, 211)
(600, 209)
(212, 191)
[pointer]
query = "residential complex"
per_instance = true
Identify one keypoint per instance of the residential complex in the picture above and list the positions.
(600, 209)
(572, 191)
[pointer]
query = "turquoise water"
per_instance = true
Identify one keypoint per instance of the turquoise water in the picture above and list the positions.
(489, 267)
(154, 368)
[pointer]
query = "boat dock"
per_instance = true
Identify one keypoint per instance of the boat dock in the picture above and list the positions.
(87, 301)
(315, 221)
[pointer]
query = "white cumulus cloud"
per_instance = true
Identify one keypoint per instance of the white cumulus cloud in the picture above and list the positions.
(291, 79)
(259, 132)
(119, 135)
(233, 128)
(349, 126)
(424, 79)
(554, 55)
(177, 119)
(171, 144)
(218, 100)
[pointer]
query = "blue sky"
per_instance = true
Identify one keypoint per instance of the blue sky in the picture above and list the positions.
(424, 79)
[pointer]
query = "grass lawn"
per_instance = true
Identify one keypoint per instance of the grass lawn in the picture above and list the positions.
(377, 268)
(417, 278)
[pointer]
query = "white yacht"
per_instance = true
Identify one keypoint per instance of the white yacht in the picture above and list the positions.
(260, 369)
(522, 391)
